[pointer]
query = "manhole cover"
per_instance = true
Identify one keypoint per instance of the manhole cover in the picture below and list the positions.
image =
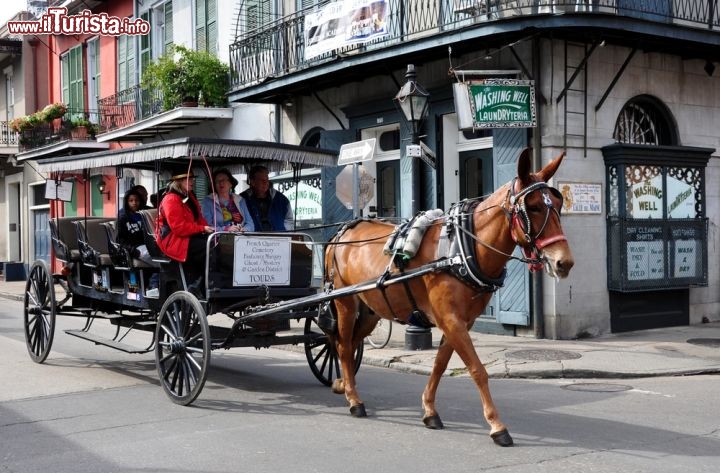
(598, 387)
(706, 342)
(543, 355)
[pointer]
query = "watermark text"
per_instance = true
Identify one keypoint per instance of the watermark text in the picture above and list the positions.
(57, 21)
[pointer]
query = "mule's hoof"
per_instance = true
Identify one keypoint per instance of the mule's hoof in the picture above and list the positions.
(433, 422)
(338, 386)
(358, 410)
(502, 438)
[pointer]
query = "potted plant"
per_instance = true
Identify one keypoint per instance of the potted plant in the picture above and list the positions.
(20, 124)
(185, 75)
(80, 128)
(53, 111)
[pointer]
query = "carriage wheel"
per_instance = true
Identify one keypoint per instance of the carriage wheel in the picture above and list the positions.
(321, 353)
(40, 311)
(182, 351)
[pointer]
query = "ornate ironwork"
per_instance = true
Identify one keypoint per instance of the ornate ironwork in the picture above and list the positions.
(277, 48)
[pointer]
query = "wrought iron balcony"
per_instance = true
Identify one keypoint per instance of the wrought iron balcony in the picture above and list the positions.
(279, 48)
(74, 126)
(7, 136)
(129, 106)
(136, 114)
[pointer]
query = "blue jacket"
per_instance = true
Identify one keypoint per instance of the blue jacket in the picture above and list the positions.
(280, 214)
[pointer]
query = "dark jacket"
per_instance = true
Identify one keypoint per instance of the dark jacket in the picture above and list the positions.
(280, 216)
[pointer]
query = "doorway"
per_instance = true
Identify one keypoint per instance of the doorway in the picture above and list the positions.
(388, 188)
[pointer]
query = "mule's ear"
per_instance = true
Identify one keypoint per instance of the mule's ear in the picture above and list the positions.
(549, 171)
(523, 169)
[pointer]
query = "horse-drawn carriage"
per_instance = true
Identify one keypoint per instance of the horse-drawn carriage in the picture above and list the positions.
(263, 281)
(102, 283)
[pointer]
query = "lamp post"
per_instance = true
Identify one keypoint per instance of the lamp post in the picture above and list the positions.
(412, 100)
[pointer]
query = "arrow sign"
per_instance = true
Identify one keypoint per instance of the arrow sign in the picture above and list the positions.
(356, 152)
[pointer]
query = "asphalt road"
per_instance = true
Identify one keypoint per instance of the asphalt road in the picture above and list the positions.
(92, 409)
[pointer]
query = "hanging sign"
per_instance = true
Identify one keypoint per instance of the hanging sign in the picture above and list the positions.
(495, 103)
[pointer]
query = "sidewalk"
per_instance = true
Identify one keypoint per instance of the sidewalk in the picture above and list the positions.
(673, 351)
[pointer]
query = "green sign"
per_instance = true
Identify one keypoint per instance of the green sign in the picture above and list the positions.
(503, 103)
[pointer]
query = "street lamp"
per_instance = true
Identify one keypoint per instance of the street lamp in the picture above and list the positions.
(412, 100)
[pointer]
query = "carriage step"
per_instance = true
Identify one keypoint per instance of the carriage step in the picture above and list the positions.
(98, 340)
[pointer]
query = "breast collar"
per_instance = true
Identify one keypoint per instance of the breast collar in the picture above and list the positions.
(456, 244)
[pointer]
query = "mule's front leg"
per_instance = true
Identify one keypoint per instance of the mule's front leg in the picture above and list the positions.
(459, 338)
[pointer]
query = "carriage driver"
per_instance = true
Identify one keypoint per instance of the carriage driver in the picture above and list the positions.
(182, 230)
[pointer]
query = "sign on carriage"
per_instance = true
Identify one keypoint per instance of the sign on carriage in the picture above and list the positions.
(495, 103)
(262, 261)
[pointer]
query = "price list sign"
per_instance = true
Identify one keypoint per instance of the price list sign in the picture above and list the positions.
(645, 255)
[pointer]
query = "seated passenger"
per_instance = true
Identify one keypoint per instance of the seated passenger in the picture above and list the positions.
(225, 210)
(182, 230)
(269, 208)
(130, 228)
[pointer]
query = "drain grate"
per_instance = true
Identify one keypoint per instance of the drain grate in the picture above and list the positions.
(543, 355)
(598, 387)
(706, 342)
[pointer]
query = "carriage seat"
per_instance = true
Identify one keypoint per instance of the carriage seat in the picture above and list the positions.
(92, 241)
(64, 238)
(149, 217)
(119, 255)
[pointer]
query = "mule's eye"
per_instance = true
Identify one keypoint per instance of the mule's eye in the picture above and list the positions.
(534, 208)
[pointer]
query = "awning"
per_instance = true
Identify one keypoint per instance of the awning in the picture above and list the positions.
(275, 156)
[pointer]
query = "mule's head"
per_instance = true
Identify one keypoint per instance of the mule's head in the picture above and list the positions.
(534, 209)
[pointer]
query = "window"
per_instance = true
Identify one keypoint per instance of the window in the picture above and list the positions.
(93, 72)
(167, 27)
(644, 120)
(126, 62)
(206, 31)
(72, 81)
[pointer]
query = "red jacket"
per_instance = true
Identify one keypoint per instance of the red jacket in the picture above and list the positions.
(176, 215)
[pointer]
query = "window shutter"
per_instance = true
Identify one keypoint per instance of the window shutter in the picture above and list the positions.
(65, 66)
(77, 101)
(145, 45)
(212, 29)
(200, 26)
(122, 62)
(168, 40)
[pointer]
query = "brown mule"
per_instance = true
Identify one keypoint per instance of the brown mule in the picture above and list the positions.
(524, 212)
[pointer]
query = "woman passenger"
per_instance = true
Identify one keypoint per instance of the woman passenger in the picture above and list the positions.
(225, 210)
(182, 230)
(130, 228)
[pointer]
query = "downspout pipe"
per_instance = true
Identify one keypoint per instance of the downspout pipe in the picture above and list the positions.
(537, 277)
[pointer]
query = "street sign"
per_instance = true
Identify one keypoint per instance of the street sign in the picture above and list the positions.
(356, 152)
(354, 187)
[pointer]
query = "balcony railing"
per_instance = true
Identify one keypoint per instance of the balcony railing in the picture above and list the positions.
(129, 106)
(59, 130)
(278, 48)
(7, 136)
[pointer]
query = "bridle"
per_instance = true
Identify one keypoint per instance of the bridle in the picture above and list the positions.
(518, 218)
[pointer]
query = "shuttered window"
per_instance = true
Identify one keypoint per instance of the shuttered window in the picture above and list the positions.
(206, 25)
(146, 55)
(126, 62)
(168, 30)
(72, 81)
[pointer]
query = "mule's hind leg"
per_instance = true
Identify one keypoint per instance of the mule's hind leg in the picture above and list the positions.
(346, 310)
(431, 419)
(458, 337)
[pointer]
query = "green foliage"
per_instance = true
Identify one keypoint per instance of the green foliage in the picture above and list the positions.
(185, 75)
